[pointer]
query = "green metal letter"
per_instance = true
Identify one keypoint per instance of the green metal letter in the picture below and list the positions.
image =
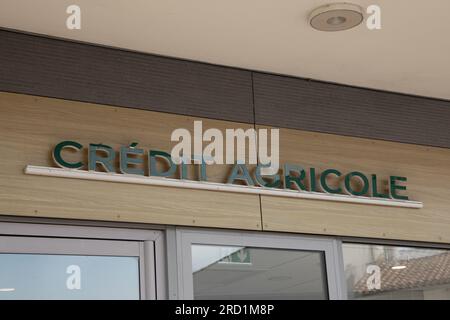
(394, 187)
(125, 160)
(375, 188)
(275, 183)
(348, 184)
(312, 179)
(106, 162)
(295, 180)
(153, 155)
(240, 172)
(58, 158)
(323, 181)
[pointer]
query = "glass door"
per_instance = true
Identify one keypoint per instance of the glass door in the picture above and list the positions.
(230, 265)
(71, 268)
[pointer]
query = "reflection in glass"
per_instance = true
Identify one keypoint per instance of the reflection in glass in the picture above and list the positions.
(41, 276)
(391, 272)
(227, 272)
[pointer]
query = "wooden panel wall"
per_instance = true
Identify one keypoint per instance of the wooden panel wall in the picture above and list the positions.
(43, 66)
(32, 126)
(309, 105)
(427, 170)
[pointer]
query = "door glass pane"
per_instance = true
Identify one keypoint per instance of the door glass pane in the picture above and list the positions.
(227, 272)
(391, 272)
(43, 276)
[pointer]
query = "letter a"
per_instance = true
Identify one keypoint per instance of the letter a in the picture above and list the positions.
(74, 20)
(373, 281)
(74, 280)
(374, 20)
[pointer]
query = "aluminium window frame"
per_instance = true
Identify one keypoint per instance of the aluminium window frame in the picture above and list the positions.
(148, 245)
(169, 281)
(376, 241)
(186, 237)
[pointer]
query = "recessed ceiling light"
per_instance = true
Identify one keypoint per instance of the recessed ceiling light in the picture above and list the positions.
(336, 17)
(279, 278)
(7, 289)
(398, 267)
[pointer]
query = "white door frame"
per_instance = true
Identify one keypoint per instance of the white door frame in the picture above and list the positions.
(187, 236)
(148, 245)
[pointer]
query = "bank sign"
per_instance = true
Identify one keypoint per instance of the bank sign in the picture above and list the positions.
(132, 164)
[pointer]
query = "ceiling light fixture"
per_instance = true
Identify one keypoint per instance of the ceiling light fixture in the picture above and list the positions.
(398, 267)
(7, 289)
(336, 17)
(279, 278)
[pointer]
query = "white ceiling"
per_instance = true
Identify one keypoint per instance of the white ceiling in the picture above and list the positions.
(410, 54)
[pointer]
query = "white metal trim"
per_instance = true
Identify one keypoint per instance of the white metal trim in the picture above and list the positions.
(148, 245)
(147, 269)
(74, 231)
(186, 237)
(212, 186)
(340, 270)
(160, 265)
(143, 278)
(91, 247)
(172, 261)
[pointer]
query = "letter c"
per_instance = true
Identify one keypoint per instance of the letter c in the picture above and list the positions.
(323, 181)
(58, 158)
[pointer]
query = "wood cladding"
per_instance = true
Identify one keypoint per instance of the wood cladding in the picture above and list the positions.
(32, 126)
(428, 176)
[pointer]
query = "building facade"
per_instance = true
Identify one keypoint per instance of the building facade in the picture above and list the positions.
(91, 229)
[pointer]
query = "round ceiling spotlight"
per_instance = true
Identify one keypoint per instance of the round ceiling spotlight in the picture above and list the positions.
(336, 17)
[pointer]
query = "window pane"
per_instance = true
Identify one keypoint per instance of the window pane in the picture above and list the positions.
(226, 272)
(41, 276)
(391, 272)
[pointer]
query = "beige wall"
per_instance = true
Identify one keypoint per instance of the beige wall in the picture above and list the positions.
(427, 170)
(31, 126)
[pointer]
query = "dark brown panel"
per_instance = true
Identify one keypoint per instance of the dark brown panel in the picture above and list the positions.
(74, 71)
(317, 106)
(63, 69)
